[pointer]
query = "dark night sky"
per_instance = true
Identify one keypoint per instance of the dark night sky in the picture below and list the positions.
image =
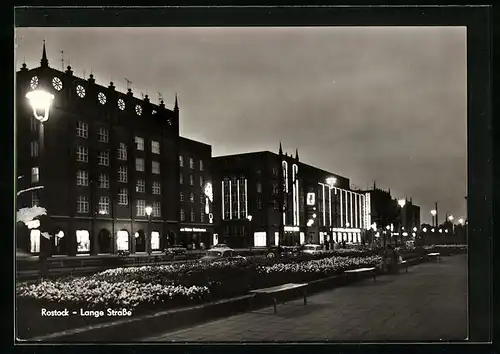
(384, 104)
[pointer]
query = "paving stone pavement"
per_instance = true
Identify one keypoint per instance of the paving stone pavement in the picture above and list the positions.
(427, 303)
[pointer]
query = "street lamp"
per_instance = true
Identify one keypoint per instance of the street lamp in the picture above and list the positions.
(40, 100)
(461, 221)
(402, 203)
(249, 217)
(424, 229)
(434, 213)
(451, 217)
(149, 210)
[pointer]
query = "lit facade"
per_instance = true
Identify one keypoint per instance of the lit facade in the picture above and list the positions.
(267, 198)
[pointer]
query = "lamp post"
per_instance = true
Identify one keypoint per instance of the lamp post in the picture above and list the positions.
(149, 210)
(450, 219)
(434, 213)
(249, 217)
(41, 100)
(402, 203)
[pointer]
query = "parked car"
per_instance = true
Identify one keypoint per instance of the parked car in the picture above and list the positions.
(221, 245)
(217, 254)
(175, 250)
(283, 251)
(312, 249)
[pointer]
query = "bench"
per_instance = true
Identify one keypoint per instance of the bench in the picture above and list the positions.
(363, 270)
(273, 291)
(403, 264)
(434, 256)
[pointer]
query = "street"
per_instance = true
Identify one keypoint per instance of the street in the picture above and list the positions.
(427, 303)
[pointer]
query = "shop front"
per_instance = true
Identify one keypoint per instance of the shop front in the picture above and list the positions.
(195, 237)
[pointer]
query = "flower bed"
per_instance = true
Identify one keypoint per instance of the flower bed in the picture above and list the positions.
(152, 288)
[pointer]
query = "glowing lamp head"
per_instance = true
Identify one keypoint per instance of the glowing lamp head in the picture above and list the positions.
(440, 231)
(314, 215)
(148, 210)
(331, 181)
(40, 100)
(424, 229)
(249, 217)
(347, 224)
(388, 227)
(451, 217)
(461, 221)
(446, 230)
(433, 212)
(402, 202)
(432, 230)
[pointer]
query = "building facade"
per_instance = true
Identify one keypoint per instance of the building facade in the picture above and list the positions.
(195, 194)
(268, 199)
(101, 161)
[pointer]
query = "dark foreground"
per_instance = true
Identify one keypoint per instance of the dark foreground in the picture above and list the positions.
(429, 303)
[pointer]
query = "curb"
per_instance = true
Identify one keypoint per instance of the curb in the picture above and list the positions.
(148, 325)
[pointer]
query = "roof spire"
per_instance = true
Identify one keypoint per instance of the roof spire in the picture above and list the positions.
(176, 107)
(281, 149)
(44, 63)
(296, 154)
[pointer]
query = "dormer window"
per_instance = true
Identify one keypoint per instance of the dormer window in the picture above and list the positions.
(34, 82)
(138, 110)
(121, 104)
(80, 91)
(102, 98)
(57, 83)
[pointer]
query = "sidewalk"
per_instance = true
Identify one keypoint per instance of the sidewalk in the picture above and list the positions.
(427, 303)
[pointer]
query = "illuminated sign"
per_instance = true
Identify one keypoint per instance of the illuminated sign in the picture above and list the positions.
(211, 218)
(291, 228)
(188, 229)
(208, 191)
(311, 198)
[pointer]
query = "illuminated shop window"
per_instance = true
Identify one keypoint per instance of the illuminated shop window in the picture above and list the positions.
(82, 241)
(155, 240)
(259, 239)
(35, 241)
(122, 240)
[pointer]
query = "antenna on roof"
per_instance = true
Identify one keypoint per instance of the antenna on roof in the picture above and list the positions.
(160, 96)
(84, 72)
(142, 95)
(69, 59)
(62, 60)
(128, 83)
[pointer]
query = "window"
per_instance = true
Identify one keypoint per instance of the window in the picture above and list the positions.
(140, 186)
(181, 161)
(82, 154)
(35, 198)
(34, 148)
(156, 187)
(275, 189)
(155, 167)
(183, 214)
(202, 214)
(103, 135)
(35, 174)
(191, 180)
(275, 171)
(122, 152)
(181, 196)
(201, 181)
(181, 178)
(82, 129)
(192, 214)
(103, 158)
(122, 240)
(82, 204)
(191, 197)
(155, 147)
(82, 178)
(155, 240)
(122, 174)
(191, 163)
(35, 241)
(139, 164)
(140, 207)
(139, 143)
(275, 205)
(201, 165)
(259, 187)
(123, 196)
(103, 205)
(156, 209)
(82, 241)
(258, 203)
(103, 181)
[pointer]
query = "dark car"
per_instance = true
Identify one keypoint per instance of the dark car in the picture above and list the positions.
(175, 250)
(283, 251)
(217, 254)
